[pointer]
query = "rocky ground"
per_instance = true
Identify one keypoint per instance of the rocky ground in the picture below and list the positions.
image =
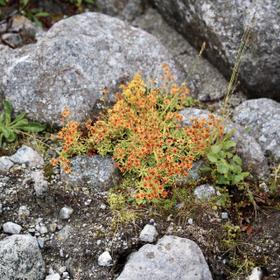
(57, 226)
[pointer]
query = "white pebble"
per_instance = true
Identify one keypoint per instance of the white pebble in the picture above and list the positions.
(65, 212)
(148, 234)
(105, 259)
(11, 228)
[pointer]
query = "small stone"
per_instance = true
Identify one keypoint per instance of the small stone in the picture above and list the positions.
(41, 242)
(264, 187)
(105, 259)
(26, 155)
(65, 274)
(5, 164)
(65, 212)
(224, 215)
(1, 208)
(190, 221)
(23, 212)
(54, 276)
(102, 206)
(40, 184)
(11, 228)
(43, 230)
(53, 227)
(204, 192)
(13, 40)
(148, 234)
(62, 269)
(256, 274)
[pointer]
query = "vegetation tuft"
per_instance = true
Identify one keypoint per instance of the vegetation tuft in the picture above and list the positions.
(144, 134)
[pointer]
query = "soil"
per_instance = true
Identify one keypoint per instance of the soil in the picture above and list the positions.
(94, 228)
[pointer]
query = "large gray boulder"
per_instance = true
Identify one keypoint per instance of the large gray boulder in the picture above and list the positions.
(20, 258)
(204, 79)
(172, 258)
(246, 146)
(221, 25)
(261, 117)
(97, 172)
(74, 61)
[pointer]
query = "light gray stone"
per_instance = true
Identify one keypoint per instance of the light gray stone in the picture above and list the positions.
(105, 259)
(13, 40)
(43, 229)
(65, 212)
(261, 117)
(5, 164)
(221, 24)
(172, 258)
(205, 81)
(97, 172)
(54, 276)
(124, 9)
(204, 192)
(20, 258)
(11, 228)
(26, 155)
(72, 64)
(256, 274)
(148, 234)
(40, 184)
(246, 146)
(224, 215)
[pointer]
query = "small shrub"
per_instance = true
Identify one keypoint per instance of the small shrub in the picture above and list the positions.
(10, 128)
(143, 133)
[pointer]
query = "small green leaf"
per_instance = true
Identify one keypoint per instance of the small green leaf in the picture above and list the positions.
(33, 127)
(237, 160)
(222, 167)
(216, 149)
(229, 144)
(9, 134)
(8, 109)
(42, 14)
(21, 123)
(1, 139)
(18, 118)
(212, 157)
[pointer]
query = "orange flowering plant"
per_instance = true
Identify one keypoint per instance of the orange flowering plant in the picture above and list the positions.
(143, 133)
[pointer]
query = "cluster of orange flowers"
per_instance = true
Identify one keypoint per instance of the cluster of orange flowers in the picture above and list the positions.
(73, 142)
(144, 134)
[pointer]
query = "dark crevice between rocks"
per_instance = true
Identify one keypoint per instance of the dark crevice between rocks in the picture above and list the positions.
(122, 258)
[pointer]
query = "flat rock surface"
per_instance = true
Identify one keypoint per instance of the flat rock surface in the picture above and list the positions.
(172, 258)
(97, 172)
(221, 24)
(261, 117)
(20, 258)
(76, 59)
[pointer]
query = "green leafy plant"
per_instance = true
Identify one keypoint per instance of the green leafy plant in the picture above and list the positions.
(80, 3)
(34, 14)
(10, 128)
(224, 165)
(3, 2)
